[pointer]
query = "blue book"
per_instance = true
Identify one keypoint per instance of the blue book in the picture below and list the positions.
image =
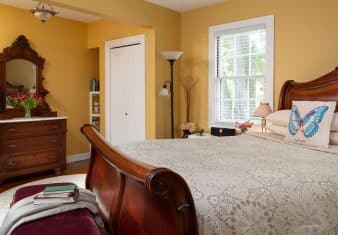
(70, 188)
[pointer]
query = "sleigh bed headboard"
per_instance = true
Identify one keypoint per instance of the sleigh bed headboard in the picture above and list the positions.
(136, 198)
(324, 88)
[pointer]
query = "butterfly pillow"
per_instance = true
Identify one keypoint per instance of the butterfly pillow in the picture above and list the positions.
(310, 123)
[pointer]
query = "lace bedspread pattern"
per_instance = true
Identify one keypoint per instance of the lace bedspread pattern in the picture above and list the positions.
(249, 185)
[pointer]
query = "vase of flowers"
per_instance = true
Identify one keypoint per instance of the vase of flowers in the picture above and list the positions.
(244, 126)
(23, 100)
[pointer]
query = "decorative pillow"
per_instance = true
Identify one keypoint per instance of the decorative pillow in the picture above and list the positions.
(282, 130)
(310, 123)
(280, 117)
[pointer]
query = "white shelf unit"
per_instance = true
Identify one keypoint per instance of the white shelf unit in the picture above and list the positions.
(94, 109)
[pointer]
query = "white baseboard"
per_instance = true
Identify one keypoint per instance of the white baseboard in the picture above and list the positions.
(78, 157)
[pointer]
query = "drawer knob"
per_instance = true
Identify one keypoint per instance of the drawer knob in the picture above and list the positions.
(12, 163)
(51, 156)
(54, 127)
(12, 130)
(12, 146)
(53, 140)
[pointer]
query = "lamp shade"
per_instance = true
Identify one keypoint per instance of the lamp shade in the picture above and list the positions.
(263, 110)
(172, 55)
(164, 91)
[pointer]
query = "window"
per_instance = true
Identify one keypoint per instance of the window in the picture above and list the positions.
(241, 69)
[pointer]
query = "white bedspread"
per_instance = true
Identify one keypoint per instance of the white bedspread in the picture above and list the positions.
(249, 185)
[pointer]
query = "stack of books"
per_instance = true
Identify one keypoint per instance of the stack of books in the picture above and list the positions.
(57, 194)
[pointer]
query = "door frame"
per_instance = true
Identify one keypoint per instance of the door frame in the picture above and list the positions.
(138, 39)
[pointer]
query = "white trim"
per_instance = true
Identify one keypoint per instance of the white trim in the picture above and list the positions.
(108, 45)
(78, 157)
(268, 22)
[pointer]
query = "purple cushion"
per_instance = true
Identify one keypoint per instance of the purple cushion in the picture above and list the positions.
(76, 222)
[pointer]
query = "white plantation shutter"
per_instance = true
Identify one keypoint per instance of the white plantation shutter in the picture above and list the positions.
(240, 73)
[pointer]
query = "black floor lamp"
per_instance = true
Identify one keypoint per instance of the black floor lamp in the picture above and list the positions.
(171, 56)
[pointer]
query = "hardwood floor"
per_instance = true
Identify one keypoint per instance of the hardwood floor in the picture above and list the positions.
(72, 168)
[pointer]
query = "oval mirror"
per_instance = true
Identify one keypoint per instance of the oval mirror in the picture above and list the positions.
(20, 76)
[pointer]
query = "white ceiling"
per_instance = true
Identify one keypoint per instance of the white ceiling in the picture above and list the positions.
(184, 5)
(63, 12)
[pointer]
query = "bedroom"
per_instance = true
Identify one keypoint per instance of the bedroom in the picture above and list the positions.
(304, 48)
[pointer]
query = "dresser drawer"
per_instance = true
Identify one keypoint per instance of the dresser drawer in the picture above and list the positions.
(33, 128)
(24, 145)
(24, 161)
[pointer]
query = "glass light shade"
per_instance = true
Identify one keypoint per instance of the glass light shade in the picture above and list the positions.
(164, 92)
(44, 12)
(172, 55)
(43, 16)
(263, 110)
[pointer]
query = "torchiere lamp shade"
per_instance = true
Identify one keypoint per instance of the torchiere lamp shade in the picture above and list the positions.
(172, 55)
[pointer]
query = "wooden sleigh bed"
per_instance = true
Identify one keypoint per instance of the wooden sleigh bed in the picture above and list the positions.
(136, 198)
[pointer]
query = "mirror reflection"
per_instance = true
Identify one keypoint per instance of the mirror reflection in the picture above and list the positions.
(20, 76)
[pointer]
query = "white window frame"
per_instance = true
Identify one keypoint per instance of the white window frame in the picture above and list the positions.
(214, 31)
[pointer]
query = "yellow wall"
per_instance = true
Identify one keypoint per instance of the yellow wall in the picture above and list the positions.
(105, 30)
(306, 45)
(68, 68)
(305, 48)
(166, 26)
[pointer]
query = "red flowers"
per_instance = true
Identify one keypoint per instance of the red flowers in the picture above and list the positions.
(24, 100)
(246, 124)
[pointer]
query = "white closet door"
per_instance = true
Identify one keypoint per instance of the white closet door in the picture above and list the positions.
(135, 94)
(127, 94)
(117, 120)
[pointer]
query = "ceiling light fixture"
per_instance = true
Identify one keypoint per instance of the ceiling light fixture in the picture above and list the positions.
(44, 11)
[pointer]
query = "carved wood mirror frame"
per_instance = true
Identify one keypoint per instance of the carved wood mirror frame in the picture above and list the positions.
(20, 49)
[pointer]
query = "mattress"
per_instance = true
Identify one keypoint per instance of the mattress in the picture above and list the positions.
(250, 185)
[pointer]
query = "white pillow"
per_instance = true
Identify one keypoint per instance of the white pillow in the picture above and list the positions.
(334, 138)
(334, 125)
(277, 129)
(281, 118)
(310, 123)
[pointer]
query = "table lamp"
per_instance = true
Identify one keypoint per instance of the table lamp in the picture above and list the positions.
(262, 111)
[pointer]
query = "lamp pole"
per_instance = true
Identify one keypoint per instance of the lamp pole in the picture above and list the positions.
(172, 96)
(171, 57)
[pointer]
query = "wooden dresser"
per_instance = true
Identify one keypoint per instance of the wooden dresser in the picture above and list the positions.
(32, 145)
